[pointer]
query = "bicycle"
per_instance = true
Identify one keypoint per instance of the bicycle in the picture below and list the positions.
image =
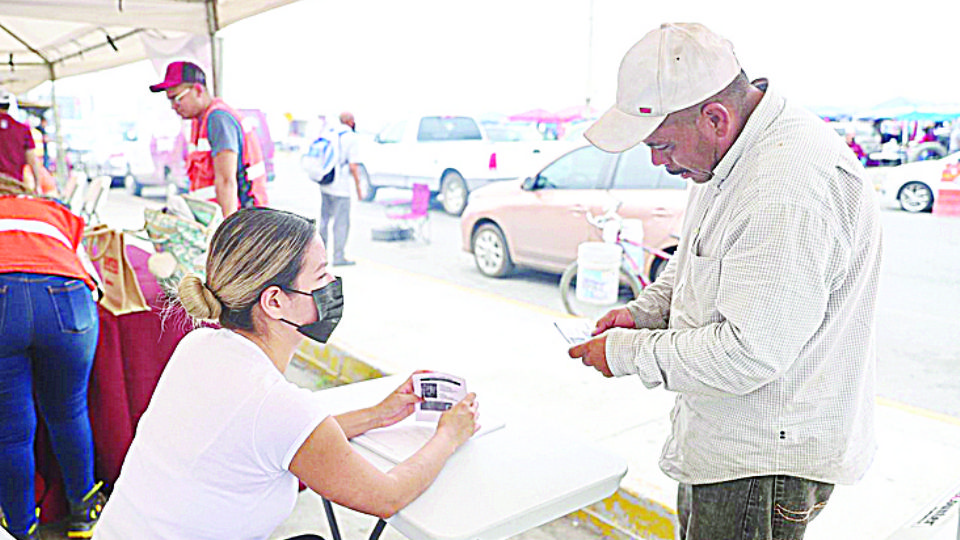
(612, 228)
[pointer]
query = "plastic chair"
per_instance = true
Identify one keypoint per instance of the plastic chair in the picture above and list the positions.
(417, 211)
(94, 199)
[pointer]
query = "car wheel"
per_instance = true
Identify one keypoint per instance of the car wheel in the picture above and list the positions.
(454, 192)
(367, 190)
(132, 186)
(916, 197)
(490, 251)
(658, 265)
(927, 150)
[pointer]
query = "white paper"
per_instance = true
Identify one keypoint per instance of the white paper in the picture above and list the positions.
(575, 331)
(440, 392)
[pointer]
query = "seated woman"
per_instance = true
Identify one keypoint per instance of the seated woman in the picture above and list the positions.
(219, 450)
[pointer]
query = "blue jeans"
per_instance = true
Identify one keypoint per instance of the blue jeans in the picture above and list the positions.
(48, 335)
(755, 508)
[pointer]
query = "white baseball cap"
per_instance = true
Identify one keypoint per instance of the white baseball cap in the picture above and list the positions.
(673, 67)
(6, 98)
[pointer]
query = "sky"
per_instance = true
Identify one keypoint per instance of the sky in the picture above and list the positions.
(385, 59)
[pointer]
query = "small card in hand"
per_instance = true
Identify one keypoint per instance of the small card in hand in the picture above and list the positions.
(440, 391)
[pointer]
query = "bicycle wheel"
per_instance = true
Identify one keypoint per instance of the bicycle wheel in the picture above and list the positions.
(630, 287)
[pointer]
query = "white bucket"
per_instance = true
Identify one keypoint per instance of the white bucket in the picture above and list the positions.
(598, 272)
(632, 230)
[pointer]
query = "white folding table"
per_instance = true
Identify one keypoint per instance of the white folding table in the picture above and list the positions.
(495, 486)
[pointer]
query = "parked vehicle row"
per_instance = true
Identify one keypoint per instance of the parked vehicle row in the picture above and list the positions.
(452, 155)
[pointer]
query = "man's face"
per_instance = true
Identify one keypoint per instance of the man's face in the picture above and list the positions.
(185, 100)
(681, 148)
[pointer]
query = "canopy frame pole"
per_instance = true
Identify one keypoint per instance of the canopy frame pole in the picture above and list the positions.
(213, 25)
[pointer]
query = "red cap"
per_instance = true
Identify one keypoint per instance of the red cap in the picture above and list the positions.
(179, 73)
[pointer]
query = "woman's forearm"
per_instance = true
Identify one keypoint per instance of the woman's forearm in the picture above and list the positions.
(358, 422)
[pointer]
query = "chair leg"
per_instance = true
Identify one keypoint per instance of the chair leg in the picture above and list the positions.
(331, 519)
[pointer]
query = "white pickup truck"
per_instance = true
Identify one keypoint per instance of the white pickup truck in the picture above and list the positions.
(452, 155)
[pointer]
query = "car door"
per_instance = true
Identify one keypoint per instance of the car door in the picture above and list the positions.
(650, 194)
(549, 230)
(385, 158)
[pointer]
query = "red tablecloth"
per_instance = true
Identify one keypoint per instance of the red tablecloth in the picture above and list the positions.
(132, 351)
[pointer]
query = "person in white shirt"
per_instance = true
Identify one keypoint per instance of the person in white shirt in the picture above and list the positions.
(226, 437)
(763, 322)
(335, 203)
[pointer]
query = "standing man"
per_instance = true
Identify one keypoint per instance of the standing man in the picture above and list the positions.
(336, 195)
(763, 321)
(225, 159)
(17, 149)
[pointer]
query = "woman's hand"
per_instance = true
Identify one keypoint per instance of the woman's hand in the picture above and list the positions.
(398, 405)
(459, 423)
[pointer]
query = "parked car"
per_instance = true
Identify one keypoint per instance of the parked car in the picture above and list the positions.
(913, 186)
(538, 221)
(453, 155)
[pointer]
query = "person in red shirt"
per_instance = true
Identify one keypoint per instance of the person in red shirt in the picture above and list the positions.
(17, 149)
(47, 343)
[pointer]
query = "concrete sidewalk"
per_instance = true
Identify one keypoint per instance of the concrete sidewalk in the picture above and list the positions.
(516, 361)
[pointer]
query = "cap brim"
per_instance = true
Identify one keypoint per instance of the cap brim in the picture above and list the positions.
(160, 87)
(617, 131)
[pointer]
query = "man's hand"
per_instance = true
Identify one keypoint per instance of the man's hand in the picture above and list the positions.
(615, 318)
(593, 354)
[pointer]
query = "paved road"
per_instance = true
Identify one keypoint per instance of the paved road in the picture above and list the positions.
(918, 304)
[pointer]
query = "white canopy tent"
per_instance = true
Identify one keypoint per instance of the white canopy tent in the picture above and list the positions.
(46, 40)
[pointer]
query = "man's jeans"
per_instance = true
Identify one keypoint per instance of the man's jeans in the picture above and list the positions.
(336, 209)
(756, 508)
(48, 335)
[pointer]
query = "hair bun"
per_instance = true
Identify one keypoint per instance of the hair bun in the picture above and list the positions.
(198, 300)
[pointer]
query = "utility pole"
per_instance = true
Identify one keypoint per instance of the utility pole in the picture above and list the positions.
(589, 88)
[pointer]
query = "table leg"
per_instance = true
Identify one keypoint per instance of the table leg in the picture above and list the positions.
(331, 519)
(378, 529)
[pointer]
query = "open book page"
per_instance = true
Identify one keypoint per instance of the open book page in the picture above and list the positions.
(401, 440)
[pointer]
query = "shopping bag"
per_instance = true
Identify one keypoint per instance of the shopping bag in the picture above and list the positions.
(180, 241)
(121, 289)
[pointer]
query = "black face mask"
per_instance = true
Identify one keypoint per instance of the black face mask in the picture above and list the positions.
(329, 302)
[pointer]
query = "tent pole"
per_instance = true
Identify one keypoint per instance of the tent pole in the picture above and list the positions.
(58, 138)
(213, 24)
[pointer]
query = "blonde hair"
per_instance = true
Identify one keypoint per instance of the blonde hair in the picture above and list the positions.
(252, 249)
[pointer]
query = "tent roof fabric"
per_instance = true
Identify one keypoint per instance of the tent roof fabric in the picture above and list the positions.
(81, 36)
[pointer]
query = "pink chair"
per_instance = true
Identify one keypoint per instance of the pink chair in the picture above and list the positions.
(414, 212)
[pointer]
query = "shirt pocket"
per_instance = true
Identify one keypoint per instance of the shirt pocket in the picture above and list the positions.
(700, 288)
(76, 311)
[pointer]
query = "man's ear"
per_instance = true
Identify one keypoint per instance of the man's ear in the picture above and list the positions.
(716, 120)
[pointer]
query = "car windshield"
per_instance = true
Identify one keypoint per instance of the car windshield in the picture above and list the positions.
(580, 169)
(448, 128)
(635, 171)
(508, 133)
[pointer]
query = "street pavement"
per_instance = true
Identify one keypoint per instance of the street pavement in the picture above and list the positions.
(398, 321)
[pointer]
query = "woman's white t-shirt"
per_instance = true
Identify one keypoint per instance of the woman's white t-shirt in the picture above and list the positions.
(211, 456)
